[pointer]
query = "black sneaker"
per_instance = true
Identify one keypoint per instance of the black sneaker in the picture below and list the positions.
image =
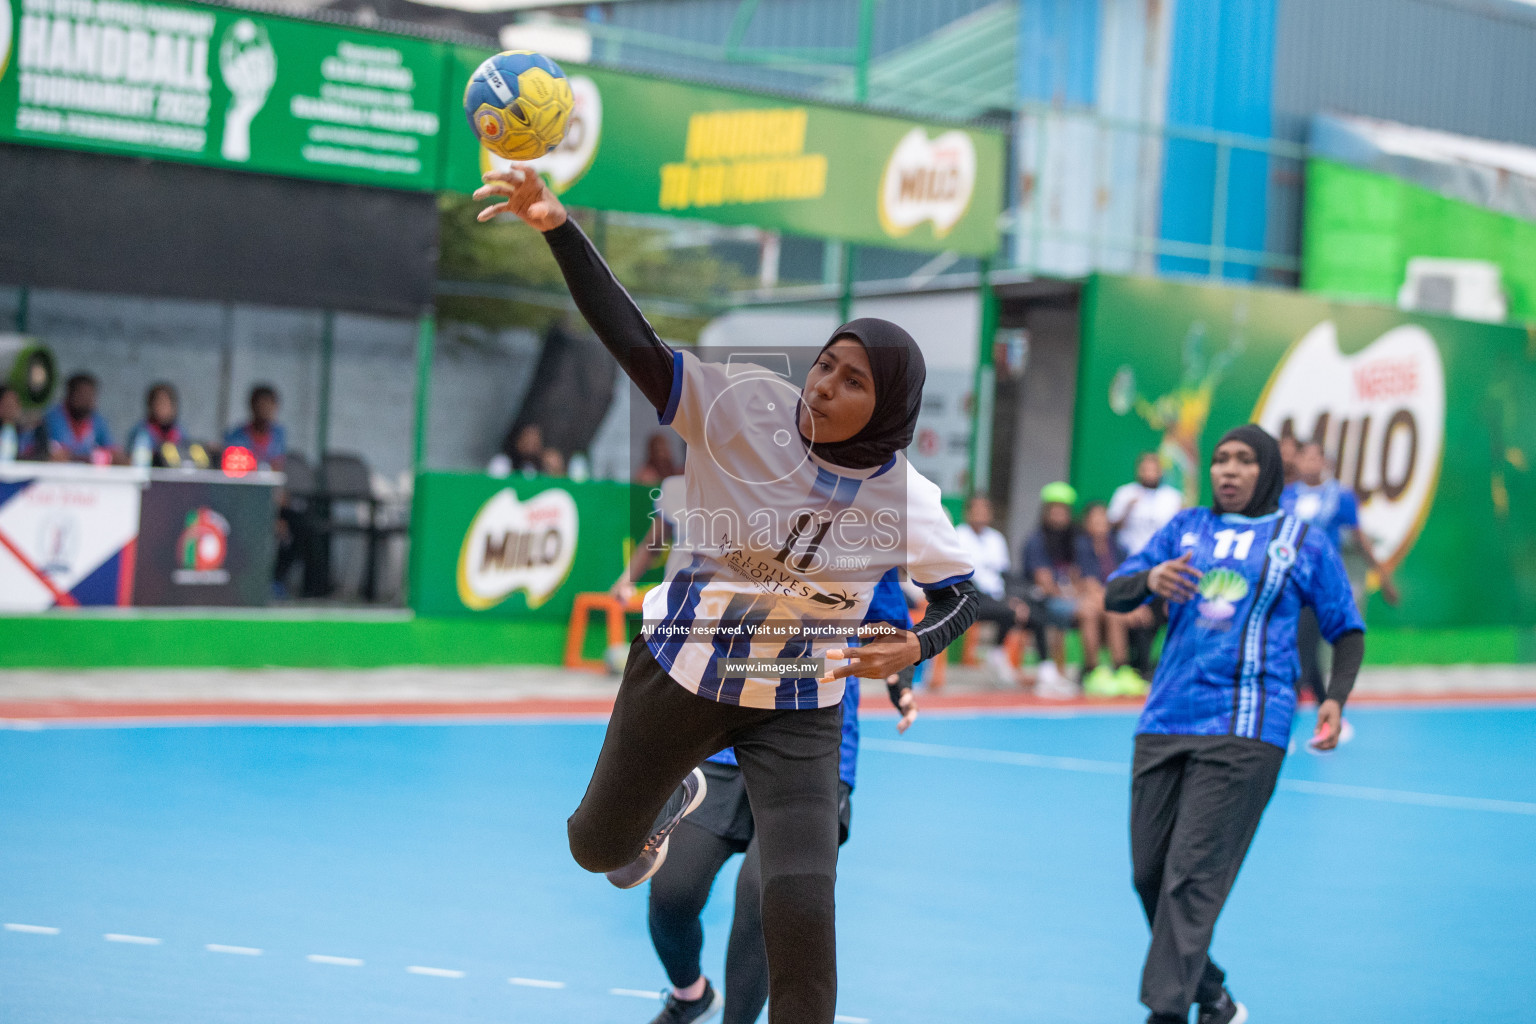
(1225, 1010)
(688, 1011)
(680, 804)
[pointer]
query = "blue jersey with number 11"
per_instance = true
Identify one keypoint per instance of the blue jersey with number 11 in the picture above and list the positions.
(1229, 665)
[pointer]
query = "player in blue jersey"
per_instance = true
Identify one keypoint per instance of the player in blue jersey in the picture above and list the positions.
(723, 826)
(786, 487)
(1216, 725)
(1333, 509)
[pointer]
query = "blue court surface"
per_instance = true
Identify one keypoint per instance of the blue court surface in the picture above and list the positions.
(418, 873)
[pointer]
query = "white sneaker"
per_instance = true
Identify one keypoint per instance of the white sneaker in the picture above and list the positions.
(1002, 669)
(1051, 684)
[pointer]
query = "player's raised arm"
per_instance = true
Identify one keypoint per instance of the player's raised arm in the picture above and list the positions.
(604, 303)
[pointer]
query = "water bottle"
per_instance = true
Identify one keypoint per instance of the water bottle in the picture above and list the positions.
(579, 469)
(143, 454)
(9, 443)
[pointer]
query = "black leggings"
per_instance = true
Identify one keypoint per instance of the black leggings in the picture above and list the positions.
(658, 733)
(678, 895)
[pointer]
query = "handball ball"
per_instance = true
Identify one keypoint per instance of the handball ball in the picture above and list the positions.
(518, 103)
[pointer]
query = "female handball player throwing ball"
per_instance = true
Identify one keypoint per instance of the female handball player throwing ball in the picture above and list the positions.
(1218, 720)
(786, 488)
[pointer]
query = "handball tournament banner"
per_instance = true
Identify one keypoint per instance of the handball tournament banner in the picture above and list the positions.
(222, 87)
(1432, 422)
(641, 144)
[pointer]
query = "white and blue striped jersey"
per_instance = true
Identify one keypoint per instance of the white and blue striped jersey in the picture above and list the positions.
(1229, 665)
(778, 553)
(889, 605)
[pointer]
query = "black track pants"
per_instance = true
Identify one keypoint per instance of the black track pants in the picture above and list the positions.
(1195, 804)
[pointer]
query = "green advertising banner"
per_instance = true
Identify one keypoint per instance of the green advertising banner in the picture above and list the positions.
(1432, 422)
(646, 145)
(1362, 228)
(222, 87)
(515, 547)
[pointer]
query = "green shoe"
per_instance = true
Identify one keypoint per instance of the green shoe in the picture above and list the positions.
(1101, 683)
(1128, 682)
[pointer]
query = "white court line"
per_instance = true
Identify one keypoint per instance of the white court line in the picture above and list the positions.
(134, 940)
(535, 983)
(638, 993)
(1077, 764)
(32, 929)
(435, 972)
(1404, 796)
(1066, 764)
(214, 947)
(339, 961)
(850, 1020)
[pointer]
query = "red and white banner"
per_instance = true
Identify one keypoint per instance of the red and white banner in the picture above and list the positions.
(68, 535)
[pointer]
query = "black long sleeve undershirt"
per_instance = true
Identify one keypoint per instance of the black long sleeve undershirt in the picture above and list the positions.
(1127, 593)
(951, 610)
(1348, 654)
(612, 314)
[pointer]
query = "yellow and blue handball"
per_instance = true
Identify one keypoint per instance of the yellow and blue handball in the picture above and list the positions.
(518, 103)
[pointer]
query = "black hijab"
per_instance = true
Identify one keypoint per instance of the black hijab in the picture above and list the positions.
(899, 372)
(1266, 490)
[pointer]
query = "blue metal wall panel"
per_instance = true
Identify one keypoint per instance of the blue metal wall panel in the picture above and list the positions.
(1058, 51)
(1220, 78)
(1465, 66)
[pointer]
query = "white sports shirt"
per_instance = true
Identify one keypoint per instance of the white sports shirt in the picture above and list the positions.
(1154, 507)
(988, 552)
(773, 539)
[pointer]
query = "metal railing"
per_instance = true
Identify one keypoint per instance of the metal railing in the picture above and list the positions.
(1094, 193)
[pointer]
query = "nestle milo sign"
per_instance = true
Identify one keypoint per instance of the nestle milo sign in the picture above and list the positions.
(1431, 421)
(517, 547)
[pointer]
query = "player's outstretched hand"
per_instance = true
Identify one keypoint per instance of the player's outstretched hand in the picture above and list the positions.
(1330, 720)
(879, 655)
(523, 193)
(1175, 579)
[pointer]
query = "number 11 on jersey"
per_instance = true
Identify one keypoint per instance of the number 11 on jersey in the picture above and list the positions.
(1227, 540)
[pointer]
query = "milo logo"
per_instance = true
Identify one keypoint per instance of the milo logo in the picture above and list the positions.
(927, 180)
(1380, 416)
(517, 545)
